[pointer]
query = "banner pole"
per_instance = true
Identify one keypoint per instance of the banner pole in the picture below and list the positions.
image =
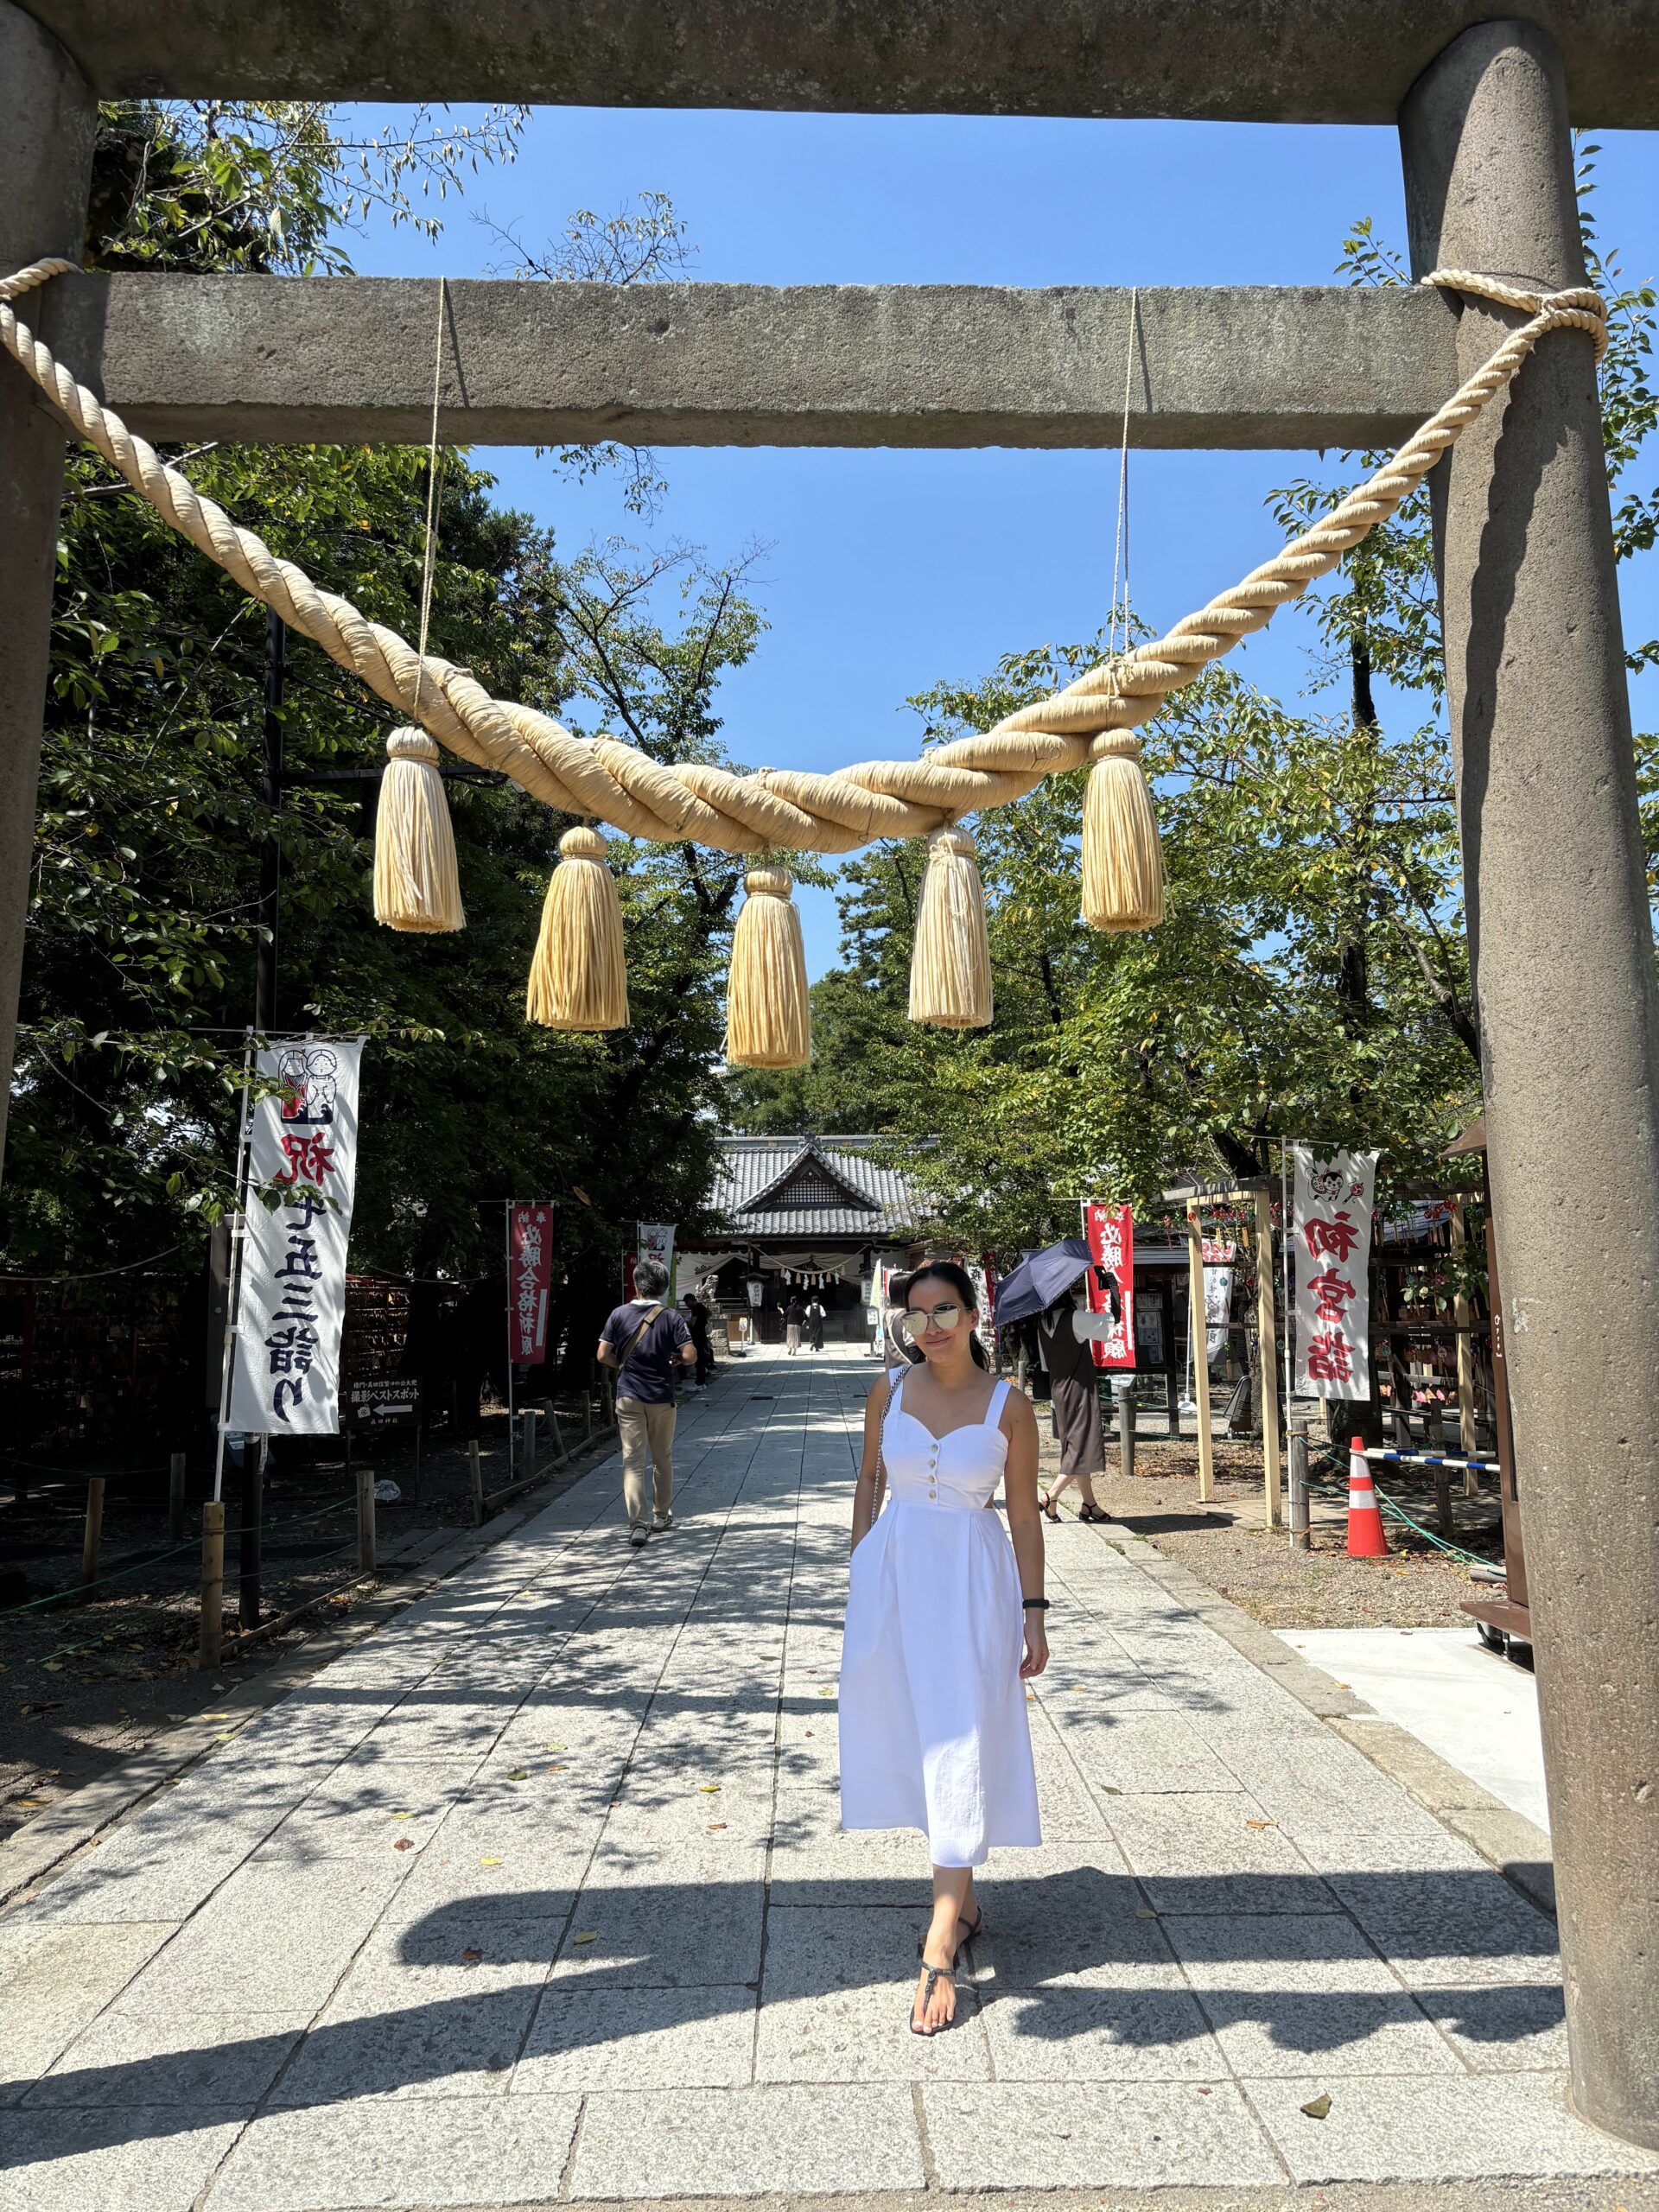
(1284, 1261)
(233, 1274)
(506, 1249)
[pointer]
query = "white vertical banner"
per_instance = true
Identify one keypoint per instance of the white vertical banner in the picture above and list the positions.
(656, 1243)
(302, 1152)
(1334, 1195)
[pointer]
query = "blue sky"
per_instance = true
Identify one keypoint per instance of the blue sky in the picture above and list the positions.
(883, 573)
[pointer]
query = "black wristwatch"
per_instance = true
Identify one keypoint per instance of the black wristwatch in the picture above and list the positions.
(1036, 1604)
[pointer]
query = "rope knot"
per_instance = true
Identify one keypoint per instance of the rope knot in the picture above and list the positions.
(582, 843)
(408, 743)
(1115, 745)
(1575, 306)
(768, 883)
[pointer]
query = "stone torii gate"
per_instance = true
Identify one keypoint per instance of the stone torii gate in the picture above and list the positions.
(1556, 896)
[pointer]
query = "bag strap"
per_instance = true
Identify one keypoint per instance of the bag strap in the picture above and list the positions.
(623, 1357)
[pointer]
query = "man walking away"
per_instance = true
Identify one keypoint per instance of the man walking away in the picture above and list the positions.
(816, 1315)
(644, 1341)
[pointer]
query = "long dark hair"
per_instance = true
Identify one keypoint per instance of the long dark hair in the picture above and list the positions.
(961, 1283)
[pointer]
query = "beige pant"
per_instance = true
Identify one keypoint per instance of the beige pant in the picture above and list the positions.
(644, 1429)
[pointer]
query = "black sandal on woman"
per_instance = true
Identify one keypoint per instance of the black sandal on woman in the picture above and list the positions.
(932, 1977)
(1092, 1512)
(972, 1936)
(1046, 1506)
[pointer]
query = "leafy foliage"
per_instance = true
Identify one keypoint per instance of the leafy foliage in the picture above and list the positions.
(144, 922)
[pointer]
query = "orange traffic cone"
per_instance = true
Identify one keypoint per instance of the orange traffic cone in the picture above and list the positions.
(1365, 1536)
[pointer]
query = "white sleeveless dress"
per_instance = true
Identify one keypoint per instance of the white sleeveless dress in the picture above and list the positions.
(934, 1729)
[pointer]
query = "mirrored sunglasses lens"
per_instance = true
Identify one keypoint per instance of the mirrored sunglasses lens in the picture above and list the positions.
(942, 1317)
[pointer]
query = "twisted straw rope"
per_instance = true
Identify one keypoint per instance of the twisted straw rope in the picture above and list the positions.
(776, 809)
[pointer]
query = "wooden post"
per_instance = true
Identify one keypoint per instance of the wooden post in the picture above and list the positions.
(588, 1411)
(175, 1498)
(93, 1532)
(1123, 1392)
(1301, 1534)
(527, 1464)
(213, 1584)
(1198, 1322)
(477, 1470)
(1463, 1314)
(1268, 1348)
(365, 1519)
(559, 1450)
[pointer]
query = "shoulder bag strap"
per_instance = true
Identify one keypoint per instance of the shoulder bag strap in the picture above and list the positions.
(623, 1357)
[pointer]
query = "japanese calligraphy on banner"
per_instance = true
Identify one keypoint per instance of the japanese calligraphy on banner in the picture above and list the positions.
(302, 1147)
(1334, 1194)
(656, 1243)
(1109, 1232)
(1217, 1296)
(529, 1274)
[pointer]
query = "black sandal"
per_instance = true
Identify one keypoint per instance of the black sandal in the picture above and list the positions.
(933, 1977)
(1092, 1513)
(1046, 1507)
(963, 1942)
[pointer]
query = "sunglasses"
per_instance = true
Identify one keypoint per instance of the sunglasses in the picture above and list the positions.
(918, 1320)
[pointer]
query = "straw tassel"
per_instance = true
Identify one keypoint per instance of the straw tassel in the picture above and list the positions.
(768, 1014)
(416, 883)
(579, 978)
(950, 963)
(1122, 866)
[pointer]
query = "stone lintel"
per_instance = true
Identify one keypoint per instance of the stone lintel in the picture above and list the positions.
(1271, 61)
(346, 359)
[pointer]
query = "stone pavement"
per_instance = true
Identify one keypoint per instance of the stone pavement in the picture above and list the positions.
(539, 1894)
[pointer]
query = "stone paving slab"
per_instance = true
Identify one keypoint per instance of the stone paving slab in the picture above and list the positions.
(540, 1893)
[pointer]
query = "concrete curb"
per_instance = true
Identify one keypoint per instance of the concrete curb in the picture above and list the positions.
(1518, 1847)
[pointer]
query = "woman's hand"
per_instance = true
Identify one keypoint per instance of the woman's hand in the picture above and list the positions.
(1036, 1657)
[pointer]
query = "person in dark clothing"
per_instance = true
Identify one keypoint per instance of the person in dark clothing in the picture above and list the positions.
(816, 1317)
(1070, 1362)
(794, 1322)
(645, 1341)
(696, 1319)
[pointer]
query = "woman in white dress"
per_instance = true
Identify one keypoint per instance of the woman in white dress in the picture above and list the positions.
(944, 1618)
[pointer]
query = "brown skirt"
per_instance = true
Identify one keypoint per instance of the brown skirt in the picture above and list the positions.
(1077, 1417)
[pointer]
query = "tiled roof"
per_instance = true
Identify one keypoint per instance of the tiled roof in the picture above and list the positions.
(880, 1204)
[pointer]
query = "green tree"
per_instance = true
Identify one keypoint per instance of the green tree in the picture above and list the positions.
(1312, 977)
(143, 925)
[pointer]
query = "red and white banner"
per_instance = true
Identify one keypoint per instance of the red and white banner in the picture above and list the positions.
(529, 1276)
(1109, 1232)
(1332, 1245)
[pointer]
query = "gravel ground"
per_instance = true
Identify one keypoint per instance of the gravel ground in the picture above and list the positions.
(1226, 1546)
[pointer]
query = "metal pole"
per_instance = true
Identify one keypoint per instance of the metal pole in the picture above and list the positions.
(1198, 1331)
(271, 852)
(1272, 1503)
(507, 1276)
(234, 1278)
(93, 1531)
(1124, 1395)
(365, 1519)
(213, 1584)
(1561, 951)
(1301, 1534)
(1284, 1267)
(253, 1493)
(175, 1498)
(50, 119)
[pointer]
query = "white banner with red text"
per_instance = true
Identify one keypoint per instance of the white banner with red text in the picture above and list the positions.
(1109, 1233)
(302, 1158)
(1334, 1192)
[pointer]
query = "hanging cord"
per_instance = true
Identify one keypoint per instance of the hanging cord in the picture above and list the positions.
(429, 558)
(1121, 536)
